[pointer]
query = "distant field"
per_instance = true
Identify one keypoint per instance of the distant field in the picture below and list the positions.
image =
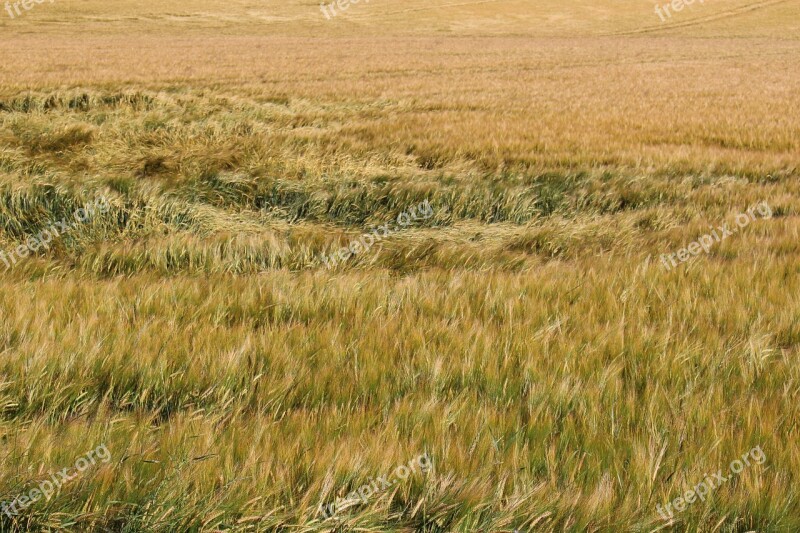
(533, 332)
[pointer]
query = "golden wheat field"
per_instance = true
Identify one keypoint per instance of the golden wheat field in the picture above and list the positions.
(412, 266)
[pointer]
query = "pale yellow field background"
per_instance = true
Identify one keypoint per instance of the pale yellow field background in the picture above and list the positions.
(513, 83)
(565, 18)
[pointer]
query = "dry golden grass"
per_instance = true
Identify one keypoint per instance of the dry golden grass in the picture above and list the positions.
(525, 336)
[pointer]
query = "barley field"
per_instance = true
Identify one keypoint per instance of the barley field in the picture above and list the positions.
(417, 266)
